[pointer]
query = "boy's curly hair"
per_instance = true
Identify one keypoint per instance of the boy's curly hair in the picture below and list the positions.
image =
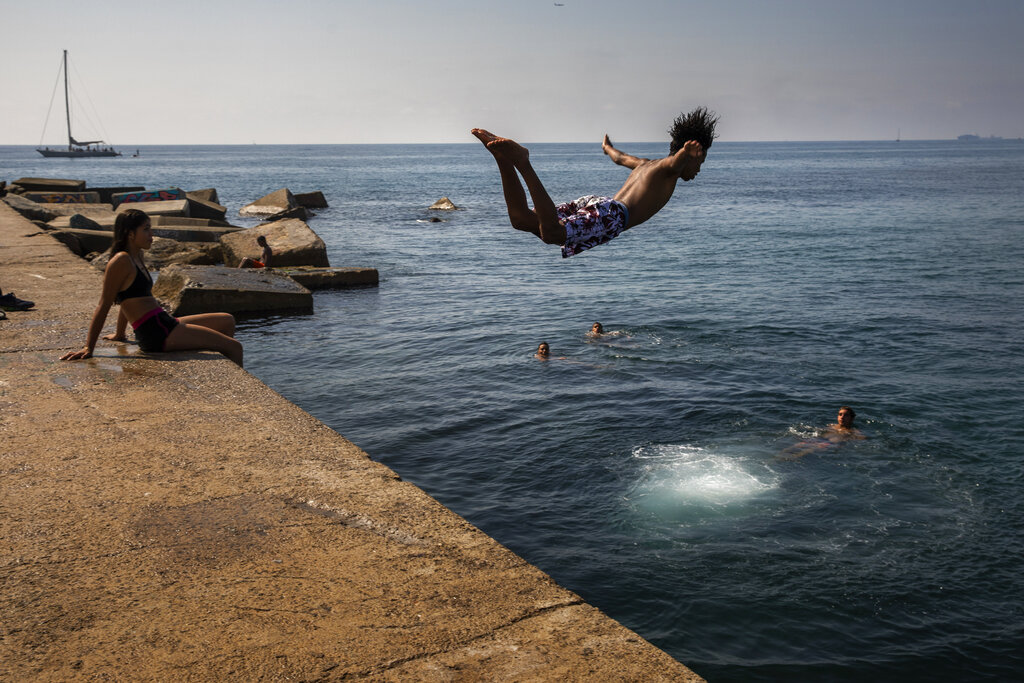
(698, 125)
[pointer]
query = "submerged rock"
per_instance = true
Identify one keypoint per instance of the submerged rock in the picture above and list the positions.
(443, 204)
(332, 278)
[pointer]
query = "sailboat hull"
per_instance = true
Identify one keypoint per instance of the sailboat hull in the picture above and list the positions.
(78, 153)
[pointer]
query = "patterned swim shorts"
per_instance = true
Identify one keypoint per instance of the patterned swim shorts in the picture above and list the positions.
(590, 221)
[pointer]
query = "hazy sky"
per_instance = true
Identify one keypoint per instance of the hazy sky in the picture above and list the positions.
(319, 71)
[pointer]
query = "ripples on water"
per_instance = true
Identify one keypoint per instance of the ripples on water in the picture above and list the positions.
(642, 471)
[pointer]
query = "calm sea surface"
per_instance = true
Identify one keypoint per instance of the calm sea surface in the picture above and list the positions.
(642, 470)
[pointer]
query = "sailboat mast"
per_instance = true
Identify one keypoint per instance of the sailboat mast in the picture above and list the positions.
(67, 105)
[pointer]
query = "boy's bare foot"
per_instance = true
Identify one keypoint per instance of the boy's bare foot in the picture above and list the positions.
(607, 144)
(502, 148)
(483, 136)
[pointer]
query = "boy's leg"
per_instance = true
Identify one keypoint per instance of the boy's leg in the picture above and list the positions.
(542, 220)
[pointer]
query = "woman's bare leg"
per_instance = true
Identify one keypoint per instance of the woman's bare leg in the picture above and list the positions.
(190, 337)
(221, 322)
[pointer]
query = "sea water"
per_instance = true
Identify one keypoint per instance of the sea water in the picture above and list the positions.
(642, 469)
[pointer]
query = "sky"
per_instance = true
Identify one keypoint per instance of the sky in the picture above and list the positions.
(405, 71)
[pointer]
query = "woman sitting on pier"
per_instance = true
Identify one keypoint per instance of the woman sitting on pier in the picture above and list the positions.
(127, 282)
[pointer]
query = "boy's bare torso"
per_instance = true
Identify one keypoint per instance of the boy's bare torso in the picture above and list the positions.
(646, 191)
(651, 183)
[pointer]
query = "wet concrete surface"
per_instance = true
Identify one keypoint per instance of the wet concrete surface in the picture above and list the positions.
(170, 517)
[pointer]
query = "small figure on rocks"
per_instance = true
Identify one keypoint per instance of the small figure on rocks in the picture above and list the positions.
(264, 260)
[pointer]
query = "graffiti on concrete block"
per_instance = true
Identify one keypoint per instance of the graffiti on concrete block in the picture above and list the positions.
(148, 196)
(63, 197)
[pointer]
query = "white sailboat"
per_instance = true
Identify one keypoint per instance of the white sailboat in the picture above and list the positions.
(88, 148)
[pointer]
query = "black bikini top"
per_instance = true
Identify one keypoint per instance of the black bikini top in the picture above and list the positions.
(142, 285)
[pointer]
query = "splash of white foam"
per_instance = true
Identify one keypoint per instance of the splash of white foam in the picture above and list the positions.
(674, 476)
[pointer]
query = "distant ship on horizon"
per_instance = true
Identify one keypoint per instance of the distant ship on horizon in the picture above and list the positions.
(970, 136)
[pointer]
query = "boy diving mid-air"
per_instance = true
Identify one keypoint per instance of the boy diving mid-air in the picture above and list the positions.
(590, 221)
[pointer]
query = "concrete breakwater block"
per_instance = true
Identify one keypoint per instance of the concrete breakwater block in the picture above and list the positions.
(81, 242)
(172, 202)
(63, 197)
(292, 241)
(165, 226)
(200, 208)
(171, 207)
(311, 200)
(147, 196)
(207, 289)
(50, 184)
(171, 227)
(168, 221)
(106, 193)
(28, 208)
(332, 278)
(192, 233)
(207, 195)
(84, 240)
(93, 211)
(165, 252)
(299, 212)
(275, 202)
(80, 222)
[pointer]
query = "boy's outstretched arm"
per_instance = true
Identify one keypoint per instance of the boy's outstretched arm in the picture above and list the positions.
(687, 161)
(621, 158)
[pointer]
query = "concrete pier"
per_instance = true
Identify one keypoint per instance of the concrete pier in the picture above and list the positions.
(171, 517)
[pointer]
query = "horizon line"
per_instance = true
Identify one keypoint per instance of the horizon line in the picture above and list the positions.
(629, 142)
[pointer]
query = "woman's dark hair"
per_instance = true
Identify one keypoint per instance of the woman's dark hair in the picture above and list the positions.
(698, 125)
(852, 413)
(126, 223)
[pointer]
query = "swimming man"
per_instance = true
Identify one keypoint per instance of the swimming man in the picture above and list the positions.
(842, 430)
(590, 221)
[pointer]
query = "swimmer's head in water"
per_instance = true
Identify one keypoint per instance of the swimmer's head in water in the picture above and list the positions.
(597, 328)
(845, 417)
(543, 349)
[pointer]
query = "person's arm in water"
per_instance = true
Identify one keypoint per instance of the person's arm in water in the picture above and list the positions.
(621, 158)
